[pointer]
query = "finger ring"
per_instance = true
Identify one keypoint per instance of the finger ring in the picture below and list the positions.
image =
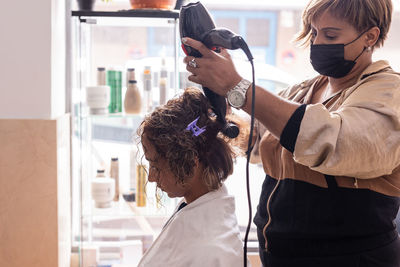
(192, 63)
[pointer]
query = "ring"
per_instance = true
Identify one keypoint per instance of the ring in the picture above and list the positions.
(192, 63)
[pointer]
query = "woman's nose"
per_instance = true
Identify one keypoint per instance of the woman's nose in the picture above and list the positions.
(151, 177)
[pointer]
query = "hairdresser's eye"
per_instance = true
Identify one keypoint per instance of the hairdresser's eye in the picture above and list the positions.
(330, 37)
(313, 34)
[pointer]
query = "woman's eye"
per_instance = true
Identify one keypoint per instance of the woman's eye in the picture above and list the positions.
(330, 37)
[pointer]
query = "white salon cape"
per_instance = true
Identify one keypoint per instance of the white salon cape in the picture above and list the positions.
(205, 233)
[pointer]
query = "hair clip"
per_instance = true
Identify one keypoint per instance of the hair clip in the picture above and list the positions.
(194, 128)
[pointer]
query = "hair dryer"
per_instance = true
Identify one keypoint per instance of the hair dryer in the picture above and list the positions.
(195, 22)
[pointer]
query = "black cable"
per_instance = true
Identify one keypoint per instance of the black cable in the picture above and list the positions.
(248, 153)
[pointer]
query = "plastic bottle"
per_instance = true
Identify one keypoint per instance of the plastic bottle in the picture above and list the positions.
(100, 173)
(130, 194)
(114, 174)
(141, 179)
(111, 82)
(103, 189)
(147, 88)
(130, 75)
(118, 85)
(132, 101)
(101, 76)
(114, 80)
(163, 84)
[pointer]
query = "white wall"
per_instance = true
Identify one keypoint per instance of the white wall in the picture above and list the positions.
(32, 65)
(58, 56)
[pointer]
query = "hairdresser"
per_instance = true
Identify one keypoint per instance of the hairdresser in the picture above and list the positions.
(331, 149)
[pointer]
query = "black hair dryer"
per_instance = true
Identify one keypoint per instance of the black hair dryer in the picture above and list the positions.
(195, 22)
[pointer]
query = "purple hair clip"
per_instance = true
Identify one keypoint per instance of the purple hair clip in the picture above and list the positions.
(194, 128)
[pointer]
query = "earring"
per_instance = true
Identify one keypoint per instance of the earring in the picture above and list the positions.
(369, 49)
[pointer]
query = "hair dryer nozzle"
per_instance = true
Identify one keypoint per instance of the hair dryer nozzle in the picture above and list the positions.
(231, 130)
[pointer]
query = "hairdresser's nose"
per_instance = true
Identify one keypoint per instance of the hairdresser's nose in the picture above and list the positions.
(316, 39)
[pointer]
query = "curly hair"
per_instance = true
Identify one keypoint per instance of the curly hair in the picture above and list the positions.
(166, 127)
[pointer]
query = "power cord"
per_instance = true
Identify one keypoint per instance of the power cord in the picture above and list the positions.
(248, 153)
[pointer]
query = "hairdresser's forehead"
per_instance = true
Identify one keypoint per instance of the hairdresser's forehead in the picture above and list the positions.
(328, 20)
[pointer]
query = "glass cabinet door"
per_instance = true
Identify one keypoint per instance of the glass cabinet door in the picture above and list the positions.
(118, 231)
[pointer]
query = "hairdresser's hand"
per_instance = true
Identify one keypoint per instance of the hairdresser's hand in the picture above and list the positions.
(214, 70)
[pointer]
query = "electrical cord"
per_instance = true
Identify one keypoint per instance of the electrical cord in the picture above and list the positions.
(240, 42)
(248, 153)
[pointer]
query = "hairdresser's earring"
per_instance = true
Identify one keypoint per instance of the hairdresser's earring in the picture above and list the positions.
(369, 49)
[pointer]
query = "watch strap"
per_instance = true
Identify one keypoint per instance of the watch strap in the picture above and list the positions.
(242, 87)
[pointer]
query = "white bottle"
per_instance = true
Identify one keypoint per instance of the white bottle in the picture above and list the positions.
(132, 171)
(103, 190)
(101, 76)
(147, 88)
(163, 84)
(114, 174)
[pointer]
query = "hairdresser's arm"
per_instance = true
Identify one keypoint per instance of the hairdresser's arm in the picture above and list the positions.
(218, 73)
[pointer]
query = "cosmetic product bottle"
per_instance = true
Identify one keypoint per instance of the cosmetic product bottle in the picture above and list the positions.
(103, 189)
(101, 76)
(118, 84)
(163, 83)
(101, 173)
(132, 101)
(98, 99)
(114, 174)
(130, 75)
(147, 88)
(114, 80)
(141, 185)
(129, 193)
(111, 82)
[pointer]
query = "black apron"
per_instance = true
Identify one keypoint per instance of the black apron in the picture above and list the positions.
(323, 227)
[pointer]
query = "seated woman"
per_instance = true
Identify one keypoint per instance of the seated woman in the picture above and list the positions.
(189, 158)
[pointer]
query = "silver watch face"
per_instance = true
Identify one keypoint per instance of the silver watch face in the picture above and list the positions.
(236, 99)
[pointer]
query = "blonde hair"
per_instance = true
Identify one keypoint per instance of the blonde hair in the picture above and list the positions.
(362, 14)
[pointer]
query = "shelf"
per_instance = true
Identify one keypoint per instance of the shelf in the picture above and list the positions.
(139, 13)
(123, 209)
(99, 137)
(114, 115)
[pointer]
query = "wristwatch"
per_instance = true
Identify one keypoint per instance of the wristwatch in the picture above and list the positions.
(237, 95)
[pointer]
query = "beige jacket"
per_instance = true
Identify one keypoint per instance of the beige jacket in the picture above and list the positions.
(354, 136)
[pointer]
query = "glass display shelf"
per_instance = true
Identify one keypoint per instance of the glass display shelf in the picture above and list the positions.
(117, 40)
(139, 116)
(141, 13)
(124, 208)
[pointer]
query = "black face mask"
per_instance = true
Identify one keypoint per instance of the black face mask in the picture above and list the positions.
(328, 59)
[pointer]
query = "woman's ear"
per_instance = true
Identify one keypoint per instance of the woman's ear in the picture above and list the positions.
(197, 168)
(372, 36)
(196, 162)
